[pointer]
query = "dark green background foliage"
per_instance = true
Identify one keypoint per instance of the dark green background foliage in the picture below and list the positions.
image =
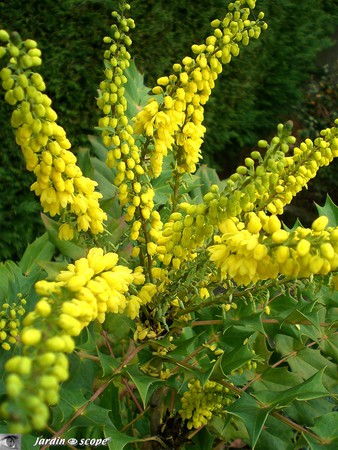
(263, 86)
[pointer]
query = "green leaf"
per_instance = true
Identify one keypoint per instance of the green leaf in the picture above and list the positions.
(41, 250)
(68, 249)
(84, 162)
(118, 440)
(99, 149)
(235, 359)
(93, 415)
(53, 268)
(326, 426)
(308, 390)
(276, 379)
(145, 384)
(13, 281)
(136, 93)
(330, 210)
(306, 361)
(108, 363)
(206, 177)
(252, 414)
(83, 371)
(276, 435)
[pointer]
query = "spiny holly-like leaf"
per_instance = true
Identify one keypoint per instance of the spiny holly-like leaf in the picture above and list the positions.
(14, 282)
(93, 415)
(108, 363)
(325, 427)
(53, 268)
(330, 210)
(308, 390)
(41, 250)
(235, 359)
(252, 414)
(99, 149)
(145, 384)
(276, 379)
(206, 177)
(306, 361)
(136, 93)
(276, 435)
(118, 440)
(84, 162)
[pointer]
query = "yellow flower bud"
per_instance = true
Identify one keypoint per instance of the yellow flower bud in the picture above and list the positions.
(30, 336)
(254, 225)
(303, 247)
(327, 251)
(280, 236)
(320, 223)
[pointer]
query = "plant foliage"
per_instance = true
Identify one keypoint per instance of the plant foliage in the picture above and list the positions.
(164, 307)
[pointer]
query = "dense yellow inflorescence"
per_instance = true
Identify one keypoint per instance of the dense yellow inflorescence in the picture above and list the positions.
(236, 228)
(200, 403)
(60, 184)
(175, 123)
(266, 184)
(262, 249)
(90, 288)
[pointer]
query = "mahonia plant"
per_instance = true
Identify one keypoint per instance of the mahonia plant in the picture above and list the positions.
(183, 257)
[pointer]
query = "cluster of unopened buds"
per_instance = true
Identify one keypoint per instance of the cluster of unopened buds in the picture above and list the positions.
(10, 322)
(200, 403)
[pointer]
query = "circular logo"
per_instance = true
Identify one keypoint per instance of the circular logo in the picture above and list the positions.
(72, 441)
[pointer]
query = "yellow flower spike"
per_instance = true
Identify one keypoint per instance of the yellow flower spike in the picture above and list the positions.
(66, 232)
(19, 364)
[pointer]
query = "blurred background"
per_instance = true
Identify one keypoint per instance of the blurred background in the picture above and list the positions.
(290, 73)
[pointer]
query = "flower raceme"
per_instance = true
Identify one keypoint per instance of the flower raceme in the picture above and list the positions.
(261, 249)
(60, 184)
(267, 183)
(176, 121)
(201, 403)
(91, 287)
(237, 229)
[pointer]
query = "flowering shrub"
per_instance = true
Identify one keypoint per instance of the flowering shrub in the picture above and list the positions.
(167, 307)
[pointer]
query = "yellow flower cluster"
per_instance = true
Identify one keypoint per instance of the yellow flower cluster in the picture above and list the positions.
(260, 249)
(268, 187)
(278, 177)
(200, 403)
(60, 184)
(176, 123)
(10, 322)
(86, 291)
(135, 191)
